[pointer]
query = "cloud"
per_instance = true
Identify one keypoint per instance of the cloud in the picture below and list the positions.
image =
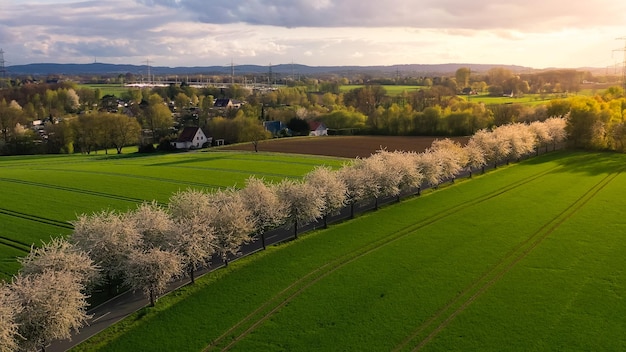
(314, 32)
(529, 15)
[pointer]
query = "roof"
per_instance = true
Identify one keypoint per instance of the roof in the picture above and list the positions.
(222, 103)
(188, 134)
(315, 125)
(273, 126)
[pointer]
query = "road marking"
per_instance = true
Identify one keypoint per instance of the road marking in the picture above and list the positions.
(100, 317)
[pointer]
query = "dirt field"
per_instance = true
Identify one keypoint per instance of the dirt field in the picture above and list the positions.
(341, 146)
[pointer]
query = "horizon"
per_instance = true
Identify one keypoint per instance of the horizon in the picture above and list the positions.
(320, 33)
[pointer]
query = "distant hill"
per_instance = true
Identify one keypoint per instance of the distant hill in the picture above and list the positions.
(44, 69)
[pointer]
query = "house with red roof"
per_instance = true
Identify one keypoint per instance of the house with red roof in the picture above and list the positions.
(317, 128)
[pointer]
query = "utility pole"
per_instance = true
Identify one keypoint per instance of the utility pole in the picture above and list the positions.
(623, 63)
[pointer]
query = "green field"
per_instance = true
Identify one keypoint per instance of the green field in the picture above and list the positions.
(108, 89)
(392, 90)
(528, 257)
(41, 194)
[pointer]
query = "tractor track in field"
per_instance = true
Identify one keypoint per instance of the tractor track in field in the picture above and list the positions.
(71, 189)
(9, 242)
(282, 298)
(138, 177)
(39, 219)
(499, 269)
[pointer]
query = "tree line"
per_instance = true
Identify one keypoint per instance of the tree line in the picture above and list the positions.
(78, 119)
(147, 247)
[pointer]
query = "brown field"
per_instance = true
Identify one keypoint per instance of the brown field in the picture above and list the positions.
(341, 146)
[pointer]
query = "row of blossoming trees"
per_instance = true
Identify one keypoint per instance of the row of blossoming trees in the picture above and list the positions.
(147, 247)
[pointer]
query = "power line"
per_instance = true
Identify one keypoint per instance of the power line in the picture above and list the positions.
(623, 63)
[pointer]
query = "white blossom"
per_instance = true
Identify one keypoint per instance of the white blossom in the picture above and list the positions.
(53, 305)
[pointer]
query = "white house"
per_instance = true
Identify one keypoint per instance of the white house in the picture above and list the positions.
(317, 129)
(191, 138)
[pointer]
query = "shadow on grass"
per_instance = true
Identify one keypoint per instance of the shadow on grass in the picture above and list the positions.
(590, 163)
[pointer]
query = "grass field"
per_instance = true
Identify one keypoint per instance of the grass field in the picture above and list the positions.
(107, 89)
(391, 90)
(529, 257)
(42, 194)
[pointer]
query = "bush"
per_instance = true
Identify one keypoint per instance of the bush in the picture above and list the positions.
(147, 148)
(165, 145)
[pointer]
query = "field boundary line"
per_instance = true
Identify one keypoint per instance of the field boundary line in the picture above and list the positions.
(503, 266)
(336, 264)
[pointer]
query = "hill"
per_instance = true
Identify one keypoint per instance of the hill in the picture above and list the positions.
(104, 68)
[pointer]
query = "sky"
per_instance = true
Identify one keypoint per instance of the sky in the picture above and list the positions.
(532, 33)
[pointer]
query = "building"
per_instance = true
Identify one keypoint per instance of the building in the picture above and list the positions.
(191, 138)
(317, 128)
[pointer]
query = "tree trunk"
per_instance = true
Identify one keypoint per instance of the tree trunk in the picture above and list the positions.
(351, 210)
(263, 239)
(151, 298)
(295, 228)
(325, 221)
(192, 275)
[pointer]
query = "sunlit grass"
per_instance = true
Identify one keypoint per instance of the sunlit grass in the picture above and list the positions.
(536, 249)
(42, 194)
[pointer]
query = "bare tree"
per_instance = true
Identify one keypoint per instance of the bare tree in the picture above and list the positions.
(331, 188)
(9, 309)
(266, 209)
(53, 305)
(304, 203)
(151, 270)
(61, 255)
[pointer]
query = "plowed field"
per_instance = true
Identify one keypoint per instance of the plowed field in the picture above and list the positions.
(341, 146)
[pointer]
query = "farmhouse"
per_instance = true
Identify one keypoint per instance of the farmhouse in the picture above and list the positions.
(317, 129)
(191, 138)
(225, 103)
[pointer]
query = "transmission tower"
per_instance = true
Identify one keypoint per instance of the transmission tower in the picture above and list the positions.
(232, 72)
(149, 73)
(623, 63)
(3, 70)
